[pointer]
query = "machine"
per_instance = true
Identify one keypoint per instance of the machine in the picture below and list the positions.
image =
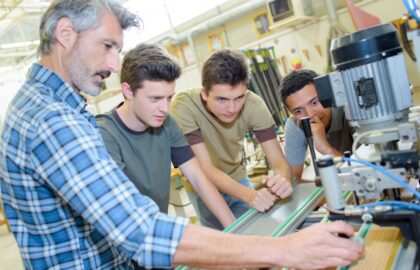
(371, 84)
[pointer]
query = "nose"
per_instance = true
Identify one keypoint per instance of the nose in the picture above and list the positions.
(310, 113)
(231, 107)
(165, 105)
(113, 61)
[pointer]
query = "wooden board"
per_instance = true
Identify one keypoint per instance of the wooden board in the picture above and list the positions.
(381, 247)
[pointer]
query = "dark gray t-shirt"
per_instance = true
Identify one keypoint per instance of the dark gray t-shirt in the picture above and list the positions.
(339, 136)
(145, 157)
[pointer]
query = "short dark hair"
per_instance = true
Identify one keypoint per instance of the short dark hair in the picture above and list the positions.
(148, 62)
(294, 81)
(225, 66)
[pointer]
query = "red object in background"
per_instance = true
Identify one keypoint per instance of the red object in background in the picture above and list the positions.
(361, 19)
(296, 63)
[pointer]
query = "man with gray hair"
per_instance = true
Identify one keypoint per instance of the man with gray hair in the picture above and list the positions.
(69, 204)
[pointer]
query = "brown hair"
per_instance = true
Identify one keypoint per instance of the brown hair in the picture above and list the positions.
(225, 66)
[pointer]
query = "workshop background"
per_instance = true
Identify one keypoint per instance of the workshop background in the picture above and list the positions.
(191, 31)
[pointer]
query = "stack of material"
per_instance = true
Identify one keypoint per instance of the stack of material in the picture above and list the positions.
(382, 245)
(265, 81)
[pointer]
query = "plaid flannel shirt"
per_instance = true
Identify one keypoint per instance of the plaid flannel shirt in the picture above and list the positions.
(68, 203)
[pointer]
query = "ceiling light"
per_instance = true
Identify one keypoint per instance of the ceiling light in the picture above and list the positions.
(19, 44)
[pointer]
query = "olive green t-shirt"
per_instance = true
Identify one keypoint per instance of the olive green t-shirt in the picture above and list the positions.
(223, 140)
(145, 157)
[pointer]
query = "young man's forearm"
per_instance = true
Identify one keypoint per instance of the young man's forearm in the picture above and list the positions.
(216, 204)
(221, 180)
(276, 159)
(283, 170)
(208, 192)
(229, 186)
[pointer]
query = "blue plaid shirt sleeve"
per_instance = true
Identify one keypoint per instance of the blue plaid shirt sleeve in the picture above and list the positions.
(69, 156)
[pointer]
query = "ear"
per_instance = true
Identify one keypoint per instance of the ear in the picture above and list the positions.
(203, 94)
(126, 90)
(65, 34)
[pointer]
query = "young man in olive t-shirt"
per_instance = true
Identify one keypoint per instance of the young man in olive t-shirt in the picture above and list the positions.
(215, 119)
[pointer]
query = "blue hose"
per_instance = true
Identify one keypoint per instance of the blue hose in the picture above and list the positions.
(412, 8)
(396, 205)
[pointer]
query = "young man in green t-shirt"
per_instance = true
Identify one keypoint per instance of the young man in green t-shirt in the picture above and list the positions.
(215, 120)
(143, 138)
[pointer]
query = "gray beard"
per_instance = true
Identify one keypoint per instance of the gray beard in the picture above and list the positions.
(92, 91)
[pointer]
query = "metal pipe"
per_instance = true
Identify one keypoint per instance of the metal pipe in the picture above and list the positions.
(212, 23)
(331, 12)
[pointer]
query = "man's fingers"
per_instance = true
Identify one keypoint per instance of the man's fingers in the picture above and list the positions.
(282, 191)
(286, 192)
(263, 200)
(264, 179)
(274, 181)
(280, 186)
(339, 227)
(315, 119)
(334, 261)
(346, 250)
(266, 196)
(318, 246)
(343, 250)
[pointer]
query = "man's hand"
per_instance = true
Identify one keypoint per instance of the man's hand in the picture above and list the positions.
(262, 199)
(318, 246)
(320, 138)
(278, 185)
(319, 135)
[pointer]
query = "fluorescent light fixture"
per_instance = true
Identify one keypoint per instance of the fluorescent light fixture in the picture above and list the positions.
(19, 44)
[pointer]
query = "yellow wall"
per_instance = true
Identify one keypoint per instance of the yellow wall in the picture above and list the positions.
(241, 34)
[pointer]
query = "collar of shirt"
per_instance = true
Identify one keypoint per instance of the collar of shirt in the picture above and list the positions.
(62, 90)
(337, 115)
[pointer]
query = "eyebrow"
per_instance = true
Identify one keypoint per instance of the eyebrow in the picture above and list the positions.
(316, 97)
(241, 96)
(300, 108)
(160, 96)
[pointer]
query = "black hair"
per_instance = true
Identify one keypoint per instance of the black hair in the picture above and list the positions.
(294, 81)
